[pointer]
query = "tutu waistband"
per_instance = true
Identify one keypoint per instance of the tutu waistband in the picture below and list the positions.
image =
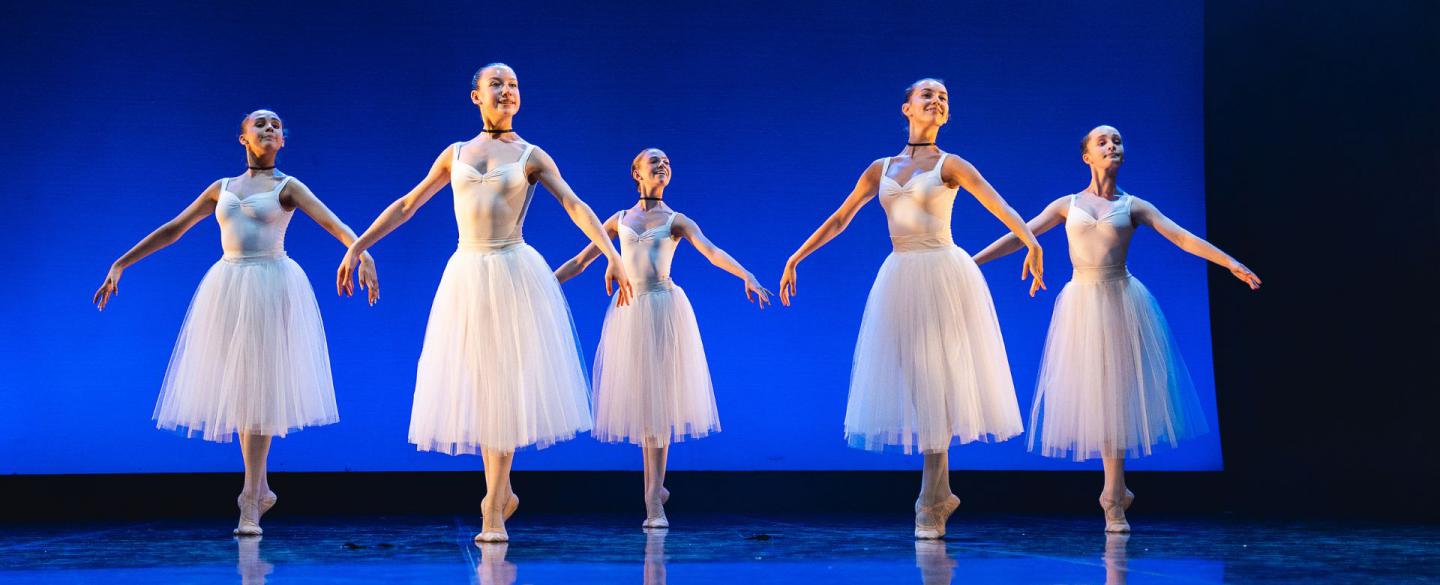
(238, 256)
(490, 245)
(642, 287)
(922, 242)
(1100, 273)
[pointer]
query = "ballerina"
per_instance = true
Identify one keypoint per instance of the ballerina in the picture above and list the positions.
(930, 366)
(1112, 383)
(251, 357)
(652, 383)
(500, 369)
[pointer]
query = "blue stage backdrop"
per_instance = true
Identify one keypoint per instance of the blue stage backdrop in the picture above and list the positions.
(122, 112)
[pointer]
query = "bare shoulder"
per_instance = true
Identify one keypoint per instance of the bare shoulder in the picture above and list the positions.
(684, 222)
(1061, 205)
(294, 184)
(538, 154)
(449, 153)
(1138, 204)
(955, 163)
(539, 161)
(873, 171)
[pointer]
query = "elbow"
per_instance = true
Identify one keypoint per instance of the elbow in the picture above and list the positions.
(404, 209)
(577, 208)
(169, 233)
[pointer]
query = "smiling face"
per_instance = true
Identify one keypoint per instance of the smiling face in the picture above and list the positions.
(497, 91)
(650, 169)
(262, 132)
(1103, 149)
(927, 103)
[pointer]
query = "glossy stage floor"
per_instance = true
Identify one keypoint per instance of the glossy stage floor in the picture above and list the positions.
(751, 550)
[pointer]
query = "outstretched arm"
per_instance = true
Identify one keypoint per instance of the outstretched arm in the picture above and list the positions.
(688, 229)
(1147, 214)
(299, 195)
(574, 266)
(865, 189)
(543, 168)
(202, 207)
(1050, 217)
(959, 171)
(397, 213)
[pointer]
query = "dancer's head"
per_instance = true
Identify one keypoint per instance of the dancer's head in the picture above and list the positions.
(262, 133)
(1102, 149)
(650, 169)
(927, 103)
(495, 89)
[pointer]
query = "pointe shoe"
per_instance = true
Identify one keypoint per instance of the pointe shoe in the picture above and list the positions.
(249, 522)
(657, 518)
(510, 506)
(492, 536)
(1115, 521)
(941, 512)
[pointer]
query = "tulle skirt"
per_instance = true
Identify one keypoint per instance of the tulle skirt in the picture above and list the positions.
(930, 366)
(251, 356)
(652, 383)
(1112, 383)
(500, 367)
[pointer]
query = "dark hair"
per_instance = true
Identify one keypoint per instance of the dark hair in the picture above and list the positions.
(475, 80)
(635, 163)
(1085, 140)
(909, 91)
(244, 122)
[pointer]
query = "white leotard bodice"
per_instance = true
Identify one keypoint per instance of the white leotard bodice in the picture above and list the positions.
(918, 212)
(1100, 245)
(253, 226)
(647, 255)
(490, 207)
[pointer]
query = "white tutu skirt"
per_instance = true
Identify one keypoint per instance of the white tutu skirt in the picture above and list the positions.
(251, 356)
(500, 368)
(652, 383)
(930, 366)
(1112, 383)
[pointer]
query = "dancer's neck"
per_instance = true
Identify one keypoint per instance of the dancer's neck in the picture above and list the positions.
(1103, 185)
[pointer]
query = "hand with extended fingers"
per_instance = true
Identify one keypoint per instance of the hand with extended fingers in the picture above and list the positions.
(787, 283)
(760, 293)
(369, 280)
(1245, 275)
(1034, 265)
(111, 286)
(617, 282)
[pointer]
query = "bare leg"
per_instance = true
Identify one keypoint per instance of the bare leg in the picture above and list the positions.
(655, 492)
(255, 497)
(936, 502)
(1115, 498)
(500, 500)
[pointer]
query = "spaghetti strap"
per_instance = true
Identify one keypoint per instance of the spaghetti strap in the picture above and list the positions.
(885, 166)
(457, 146)
(940, 162)
(524, 156)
